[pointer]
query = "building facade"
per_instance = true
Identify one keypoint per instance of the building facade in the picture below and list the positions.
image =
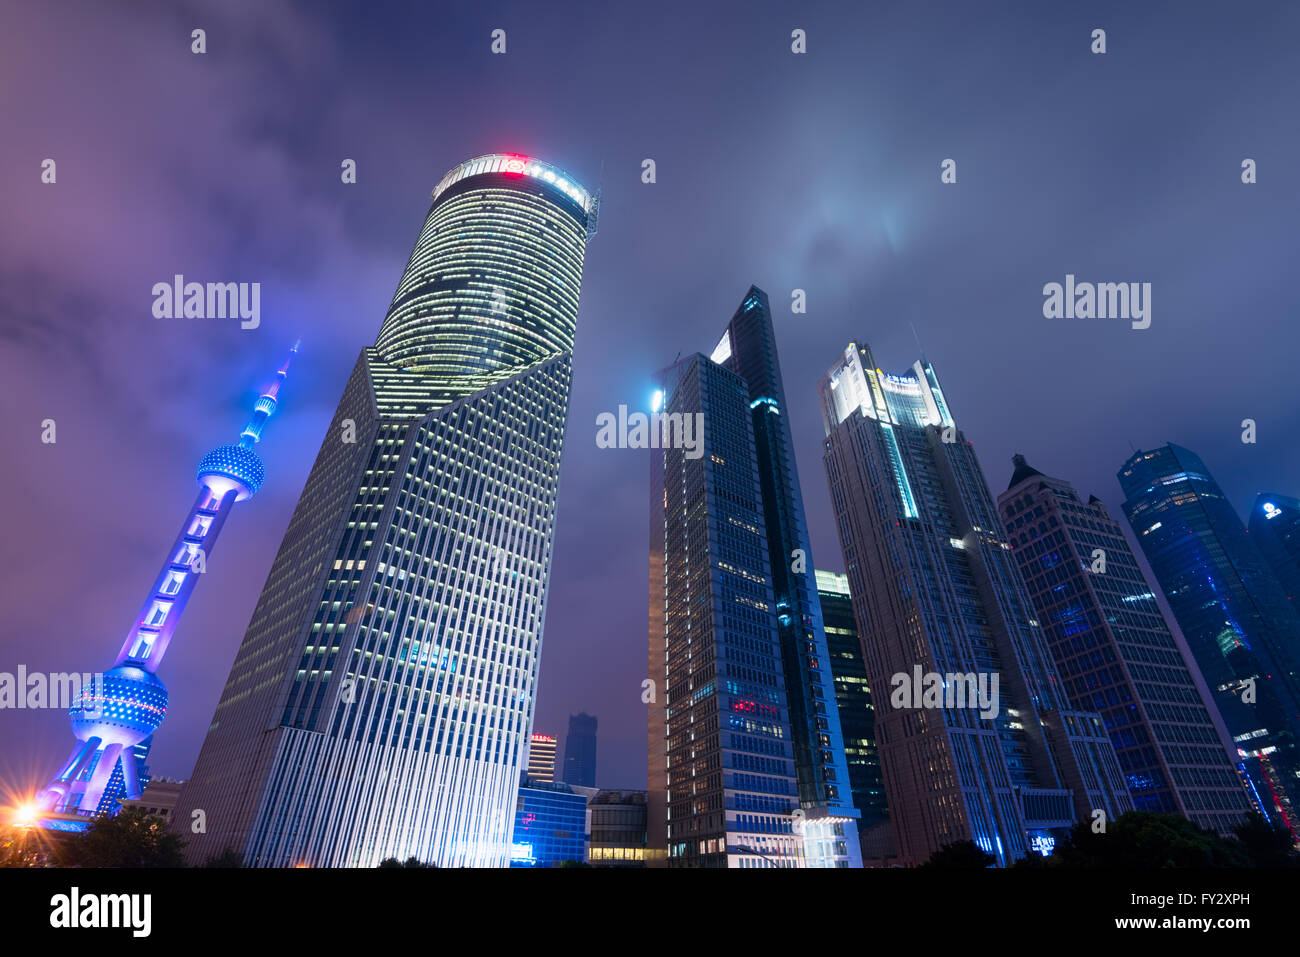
(541, 757)
(550, 826)
(159, 798)
(1115, 653)
(381, 702)
(616, 829)
(976, 740)
(116, 715)
(722, 765)
(580, 751)
(853, 700)
(1274, 524)
(1242, 631)
(735, 627)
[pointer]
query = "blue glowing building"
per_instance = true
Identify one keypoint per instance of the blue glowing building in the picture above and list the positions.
(550, 825)
(1240, 628)
(115, 716)
(1115, 653)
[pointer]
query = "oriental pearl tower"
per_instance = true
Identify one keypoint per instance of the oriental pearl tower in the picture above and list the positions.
(115, 716)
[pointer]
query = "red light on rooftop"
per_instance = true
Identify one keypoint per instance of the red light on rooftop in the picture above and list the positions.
(515, 165)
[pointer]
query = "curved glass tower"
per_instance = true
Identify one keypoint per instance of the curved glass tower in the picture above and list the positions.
(382, 700)
(115, 718)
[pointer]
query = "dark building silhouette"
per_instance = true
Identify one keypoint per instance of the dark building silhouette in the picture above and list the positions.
(580, 751)
(1275, 525)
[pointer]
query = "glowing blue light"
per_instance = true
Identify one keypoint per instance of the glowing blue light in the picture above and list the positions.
(657, 400)
(234, 462)
(53, 824)
(1271, 510)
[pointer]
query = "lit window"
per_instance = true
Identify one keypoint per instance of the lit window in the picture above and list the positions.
(158, 613)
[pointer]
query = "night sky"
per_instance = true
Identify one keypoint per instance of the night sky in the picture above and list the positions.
(817, 171)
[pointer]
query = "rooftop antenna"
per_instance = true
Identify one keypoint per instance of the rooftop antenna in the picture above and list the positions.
(919, 347)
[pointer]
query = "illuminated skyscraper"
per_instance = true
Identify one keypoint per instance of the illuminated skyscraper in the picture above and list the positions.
(736, 634)
(721, 763)
(541, 758)
(115, 719)
(1115, 653)
(382, 700)
(939, 601)
(1242, 631)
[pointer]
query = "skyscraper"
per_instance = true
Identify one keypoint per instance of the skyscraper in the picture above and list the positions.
(1274, 524)
(541, 757)
(721, 769)
(115, 719)
(853, 700)
(943, 616)
(1115, 653)
(750, 724)
(1242, 631)
(580, 751)
(382, 700)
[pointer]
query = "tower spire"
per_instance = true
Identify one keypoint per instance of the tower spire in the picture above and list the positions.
(115, 717)
(266, 403)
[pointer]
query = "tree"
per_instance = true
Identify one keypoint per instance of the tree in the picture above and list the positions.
(1145, 839)
(1265, 844)
(390, 862)
(227, 858)
(961, 855)
(132, 838)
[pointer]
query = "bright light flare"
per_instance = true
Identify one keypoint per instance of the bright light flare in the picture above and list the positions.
(26, 815)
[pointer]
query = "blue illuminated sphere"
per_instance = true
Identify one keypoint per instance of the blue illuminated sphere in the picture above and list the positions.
(125, 708)
(235, 464)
